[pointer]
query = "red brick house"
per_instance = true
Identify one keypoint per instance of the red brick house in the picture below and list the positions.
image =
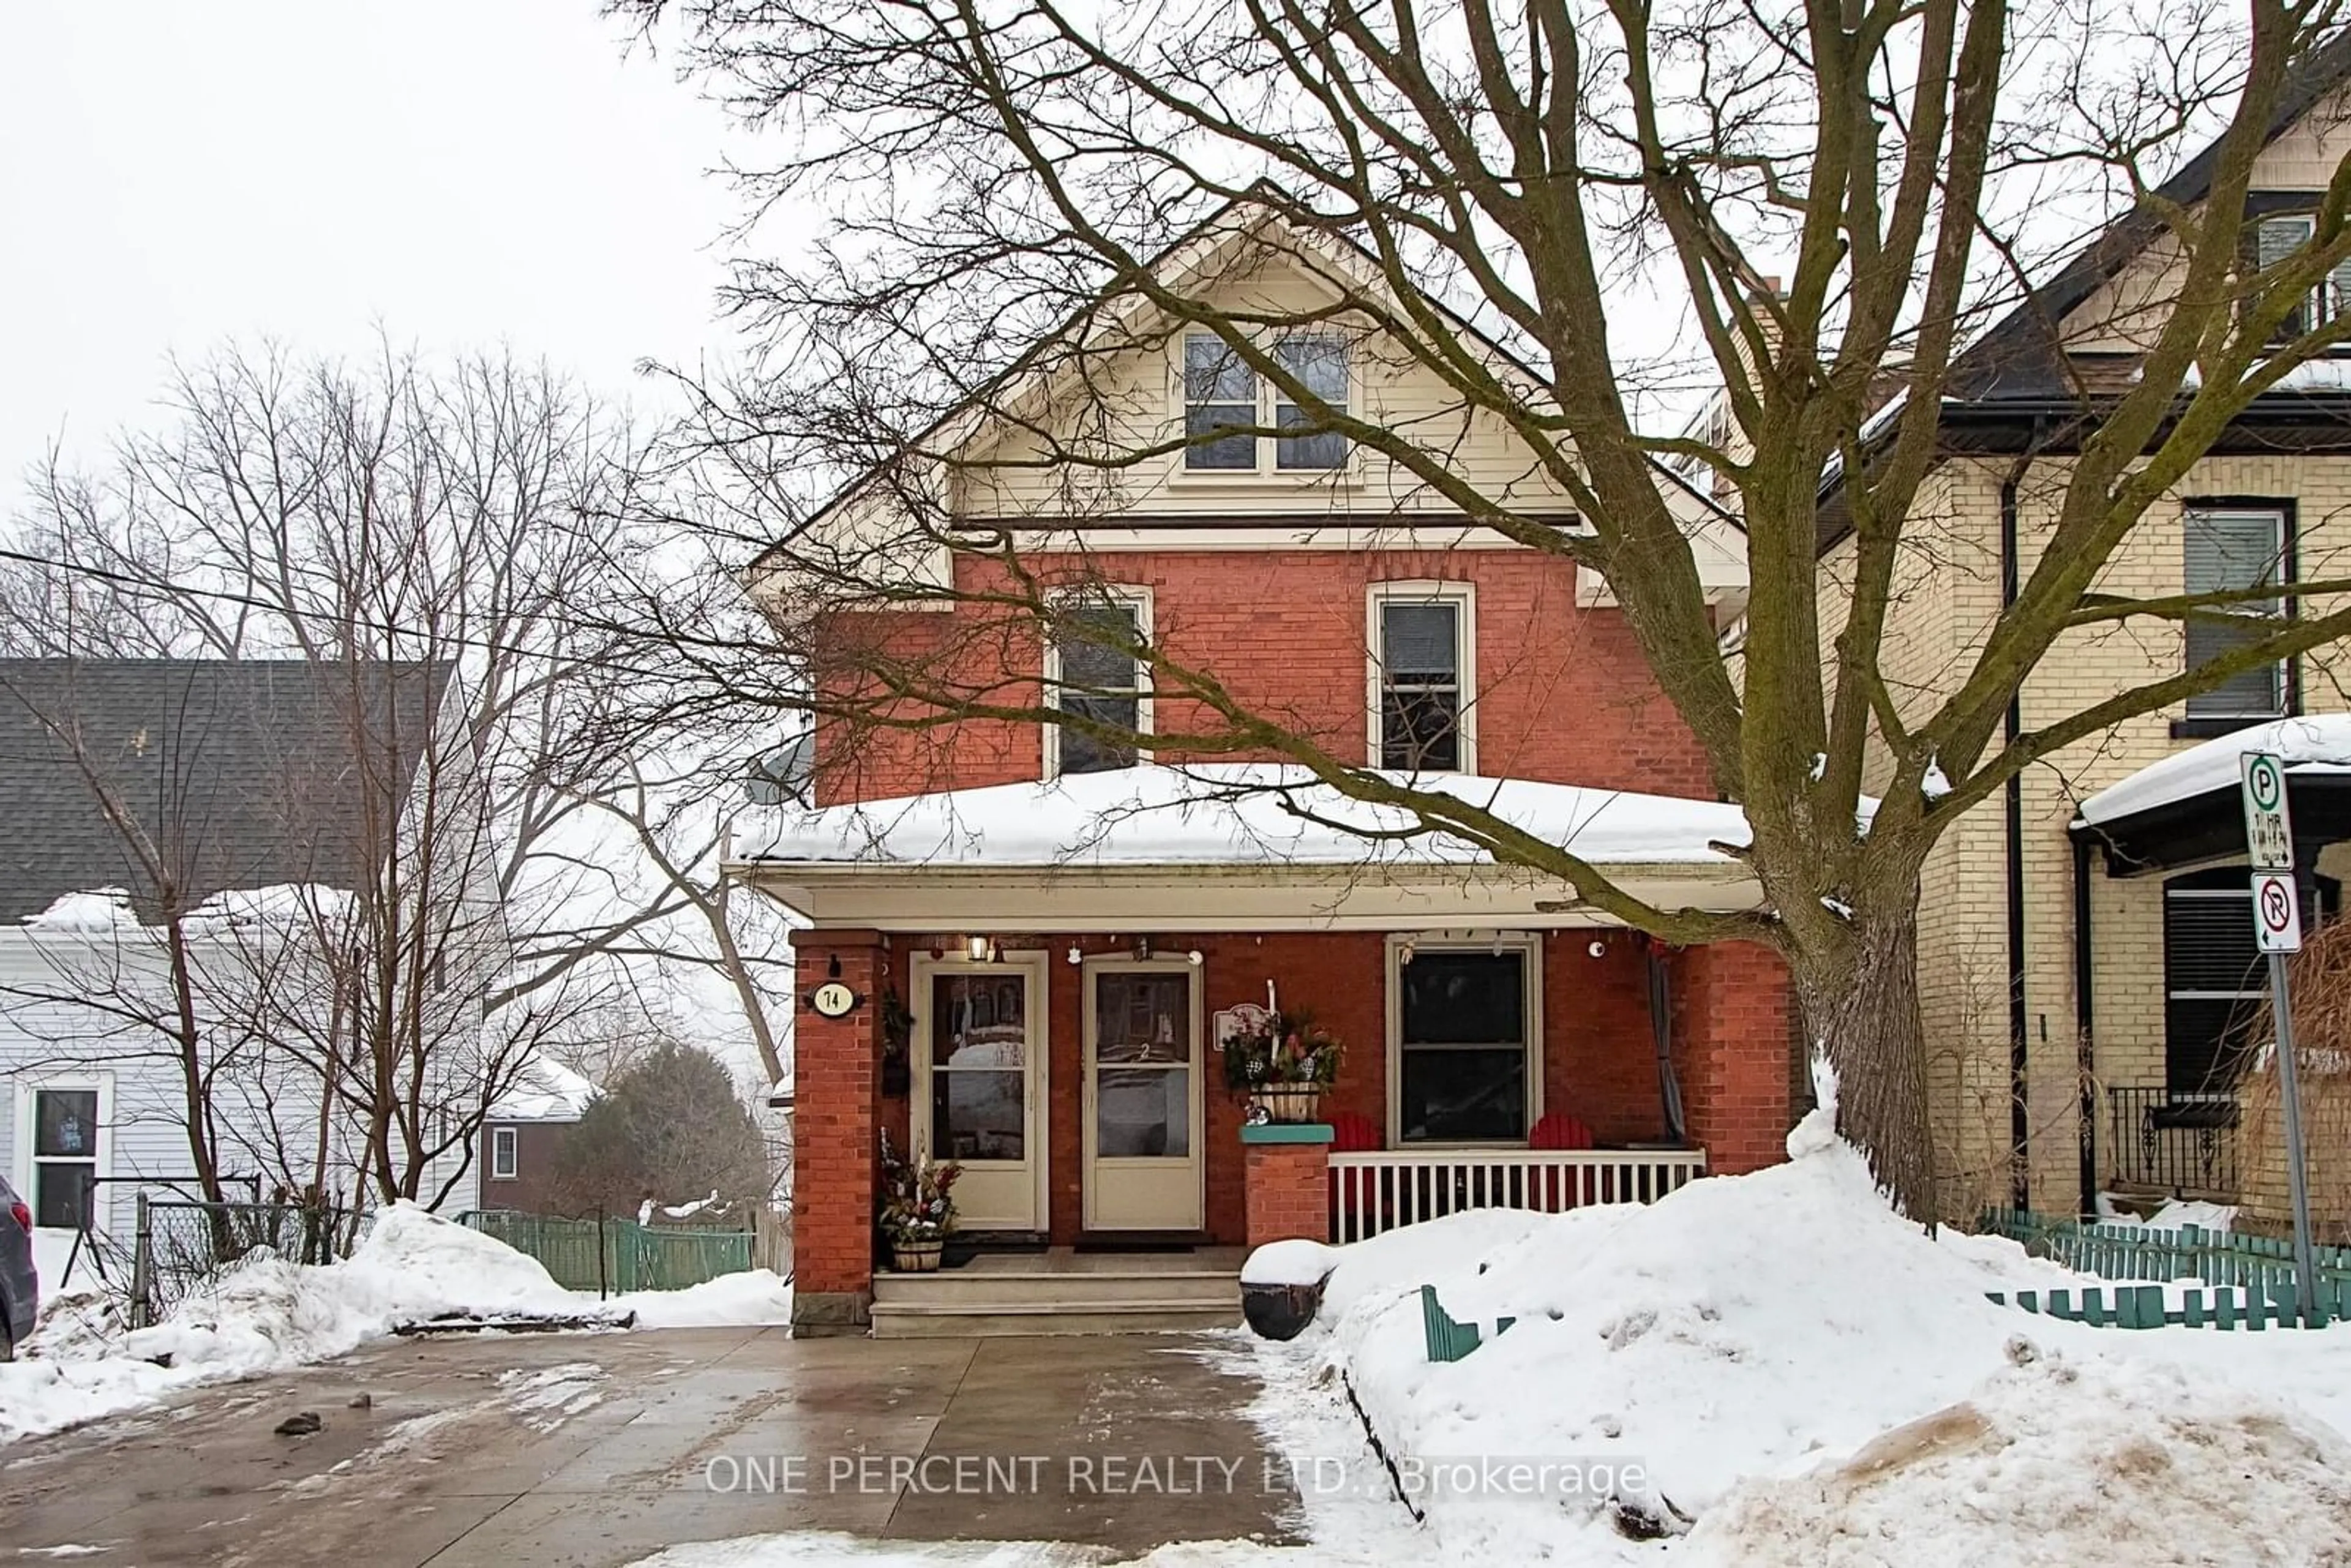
(1040, 930)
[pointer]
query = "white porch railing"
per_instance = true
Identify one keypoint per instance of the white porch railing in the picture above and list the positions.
(1379, 1190)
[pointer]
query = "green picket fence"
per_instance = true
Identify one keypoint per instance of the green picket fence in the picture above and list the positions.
(2143, 1306)
(613, 1256)
(2249, 1275)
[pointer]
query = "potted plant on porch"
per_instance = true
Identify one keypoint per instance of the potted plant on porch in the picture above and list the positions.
(917, 1209)
(1282, 1060)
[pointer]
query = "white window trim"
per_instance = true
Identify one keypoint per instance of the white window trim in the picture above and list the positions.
(30, 1084)
(506, 1141)
(1139, 599)
(2282, 543)
(1268, 467)
(1530, 945)
(1421, 591)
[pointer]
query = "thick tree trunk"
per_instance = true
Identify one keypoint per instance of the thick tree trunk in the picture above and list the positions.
(1862, 1007)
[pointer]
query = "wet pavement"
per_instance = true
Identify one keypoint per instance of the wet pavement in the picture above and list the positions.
(595, 1450)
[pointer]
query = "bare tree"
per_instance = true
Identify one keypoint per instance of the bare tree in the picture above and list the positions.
(1825, 202)
(391, 521)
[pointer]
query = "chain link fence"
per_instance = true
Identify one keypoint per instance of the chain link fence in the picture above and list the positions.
(180, 1247)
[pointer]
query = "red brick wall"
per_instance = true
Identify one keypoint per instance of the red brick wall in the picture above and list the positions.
(1563, 693)
(1733, 1036)
(1289, 1192)
(1600, 1063)
(836, 1069)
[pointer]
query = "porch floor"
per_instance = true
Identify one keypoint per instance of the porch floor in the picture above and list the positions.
(1063, 1291)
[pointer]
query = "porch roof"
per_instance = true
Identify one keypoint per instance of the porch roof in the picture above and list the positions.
(2185, 808)
(1227, 846)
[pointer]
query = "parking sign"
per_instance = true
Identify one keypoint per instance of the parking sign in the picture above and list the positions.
(2269, 835)
(2277, 913)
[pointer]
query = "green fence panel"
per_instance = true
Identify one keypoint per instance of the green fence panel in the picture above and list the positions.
(616, 1256)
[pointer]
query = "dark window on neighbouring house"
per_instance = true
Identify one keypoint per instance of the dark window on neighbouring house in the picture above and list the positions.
(504, 1152)
(1220, 395)
(65, 1157)
(1319, 360)
(2214, 975)
(2227, 549)
(1420, 685)
(1462, 1047)
(1095, 677)
(2274, 239)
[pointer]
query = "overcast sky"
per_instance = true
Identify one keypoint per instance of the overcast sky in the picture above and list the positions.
(461, 172)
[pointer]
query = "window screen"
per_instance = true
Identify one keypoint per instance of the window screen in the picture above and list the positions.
(2214, 975)
(2227, 550)
(2276, 238)
(1462, 1047)
(1100, 680)
(1420, 685)
(1219, 393)
(1319, 360)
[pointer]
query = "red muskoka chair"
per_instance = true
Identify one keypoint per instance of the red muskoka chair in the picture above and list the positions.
(1558, 1131)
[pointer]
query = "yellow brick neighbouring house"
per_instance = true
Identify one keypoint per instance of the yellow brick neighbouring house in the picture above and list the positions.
(2086, 986)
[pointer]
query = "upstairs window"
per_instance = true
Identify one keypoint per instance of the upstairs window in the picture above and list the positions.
(1318, 361)
(1225, 401)
(2274, 239)
(1421, 664)
(1091, 673)
(2227, 549)
(1219, 393)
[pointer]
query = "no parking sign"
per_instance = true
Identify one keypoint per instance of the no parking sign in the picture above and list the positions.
(2277, 913)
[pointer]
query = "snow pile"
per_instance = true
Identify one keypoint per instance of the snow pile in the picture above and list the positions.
(2053, 1463)
(267, 1315)
(1297, 1261)
(1730, 1353)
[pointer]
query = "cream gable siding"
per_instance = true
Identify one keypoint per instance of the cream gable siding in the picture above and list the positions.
(2123, 315)
(1133, 400)
(1936, 628)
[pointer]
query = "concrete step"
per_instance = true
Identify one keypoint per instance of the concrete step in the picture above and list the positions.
(972, 1290)
(903, 1320)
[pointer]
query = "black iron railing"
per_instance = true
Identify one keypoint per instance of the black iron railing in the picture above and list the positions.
(2181, 1141)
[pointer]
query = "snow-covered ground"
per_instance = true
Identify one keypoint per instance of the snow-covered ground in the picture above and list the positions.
(1777, 1369)
(268, 1315)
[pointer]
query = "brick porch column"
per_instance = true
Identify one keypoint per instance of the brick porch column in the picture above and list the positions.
(1733, 1052)
(1286, 1185)
(836, 1066)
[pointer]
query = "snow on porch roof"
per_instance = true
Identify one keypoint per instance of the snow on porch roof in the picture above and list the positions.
(2319, 744)
(1226, 814)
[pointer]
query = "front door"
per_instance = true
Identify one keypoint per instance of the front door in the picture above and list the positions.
(979, 1065)
(1143, 1096)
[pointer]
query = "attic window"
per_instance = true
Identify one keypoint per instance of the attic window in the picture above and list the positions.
(1219, 393)
(2276, 238)
(1222, 395)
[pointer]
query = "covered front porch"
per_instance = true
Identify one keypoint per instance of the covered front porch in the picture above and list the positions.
(2171, 1087)
(1054, 1028)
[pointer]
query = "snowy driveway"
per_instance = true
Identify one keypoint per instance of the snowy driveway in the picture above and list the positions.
(599, 1450)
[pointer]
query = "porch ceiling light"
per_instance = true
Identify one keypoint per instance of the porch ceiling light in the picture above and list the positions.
(980, 949)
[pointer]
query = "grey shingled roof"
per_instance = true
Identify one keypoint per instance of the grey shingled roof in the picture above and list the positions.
(238, 773)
